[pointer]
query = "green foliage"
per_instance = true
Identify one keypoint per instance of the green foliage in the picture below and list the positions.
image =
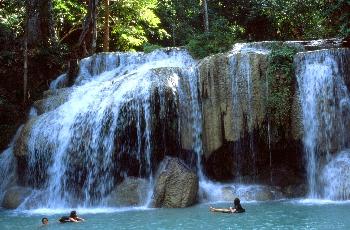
(280, 77)
(220, 39)
(296, 19)
(338, 15)
(68, 15)
(181, 19)
(12, 13)
(133, 22)
(148, 48)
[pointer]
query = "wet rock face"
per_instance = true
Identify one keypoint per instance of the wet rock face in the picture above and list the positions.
(239, 141)
(15, 196)
(131, 192)
(233, 92)
(176, 185)
(251, 192)
(53, 100)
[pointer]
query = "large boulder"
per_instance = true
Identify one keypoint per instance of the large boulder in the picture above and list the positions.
(131, 192)
(176, 185)
(15, 196)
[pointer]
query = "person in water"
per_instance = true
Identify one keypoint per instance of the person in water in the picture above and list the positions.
(45, 221)
(72, 218)
(236, 209)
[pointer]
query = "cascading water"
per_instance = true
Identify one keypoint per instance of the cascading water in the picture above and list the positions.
(8, 167)
(78, 151)
(240, 71)
(7, 170)
(325, 106)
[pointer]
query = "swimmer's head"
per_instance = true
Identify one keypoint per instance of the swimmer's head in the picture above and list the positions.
(73, 214)
(44, 220)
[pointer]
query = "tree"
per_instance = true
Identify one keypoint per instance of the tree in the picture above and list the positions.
(133, 23)
(88, 36)
(106, 27)
(38, 32)
(181, 18)
(205, 13)
(39, 23)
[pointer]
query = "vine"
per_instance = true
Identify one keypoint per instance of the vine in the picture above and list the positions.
(280, 77)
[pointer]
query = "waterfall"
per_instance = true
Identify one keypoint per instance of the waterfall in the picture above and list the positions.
(8, 167)
(196, 117)
(325, 107)
(7, 170)
(102, 128)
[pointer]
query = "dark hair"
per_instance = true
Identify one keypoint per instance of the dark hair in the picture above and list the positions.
(236, 201)
(43, 219)
(73, 214)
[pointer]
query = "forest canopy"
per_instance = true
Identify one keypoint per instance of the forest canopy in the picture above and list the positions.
(134, 24)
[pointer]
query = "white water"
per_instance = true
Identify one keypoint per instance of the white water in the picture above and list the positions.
(325, 109)
(59, 82)
(8, 167)
(7, 171)
(74, 145)
(336, 177)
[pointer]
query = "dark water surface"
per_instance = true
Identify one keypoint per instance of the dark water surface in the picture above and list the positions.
(266, 215)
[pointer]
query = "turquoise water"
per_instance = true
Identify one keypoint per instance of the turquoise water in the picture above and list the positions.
(266, 215)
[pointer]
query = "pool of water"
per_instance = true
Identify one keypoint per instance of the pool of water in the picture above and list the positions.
(290, 214)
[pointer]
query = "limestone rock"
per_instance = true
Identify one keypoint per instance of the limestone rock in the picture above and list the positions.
(132, 191)
(251, 192)
(51, 103)
(176, 185)
(21, 143)
(14, 196)
(294, 191)
(233, 91)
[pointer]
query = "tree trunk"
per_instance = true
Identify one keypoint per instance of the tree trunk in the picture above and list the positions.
(106, 27)
(25, 68)
(39, 22)
(205, 13)
(94, 26)
(88, 36)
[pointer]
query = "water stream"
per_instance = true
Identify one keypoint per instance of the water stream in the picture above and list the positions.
(325, 104)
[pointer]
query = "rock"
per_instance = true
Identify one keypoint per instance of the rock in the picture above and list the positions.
(132, 191)
(14, 196)
(251, 192)
(176, 185)
(295, 191)
(233, 92)
(21, 143)
(46, 105)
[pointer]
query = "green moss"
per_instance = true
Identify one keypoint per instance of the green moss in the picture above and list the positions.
(280, 77)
